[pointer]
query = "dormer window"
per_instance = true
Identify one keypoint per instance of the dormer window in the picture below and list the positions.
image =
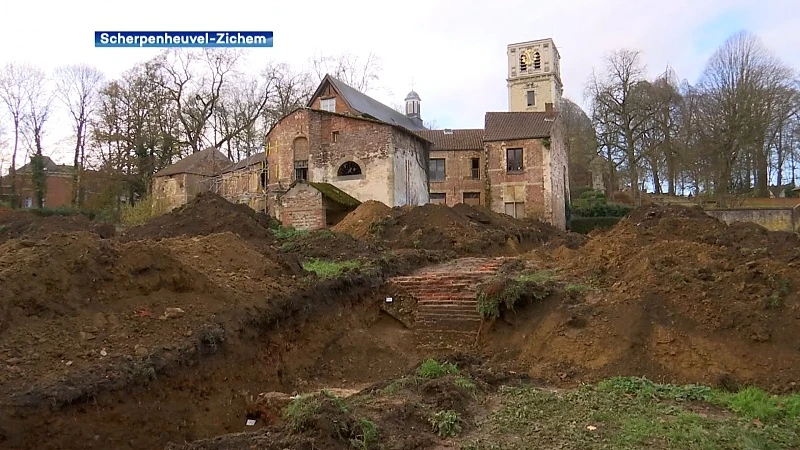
(328, 104)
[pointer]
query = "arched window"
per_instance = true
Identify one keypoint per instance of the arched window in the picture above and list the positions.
(523, 62)
(349, 168)
(537, 61)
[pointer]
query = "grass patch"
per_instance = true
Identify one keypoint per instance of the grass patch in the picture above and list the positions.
(402, 383)
(576, 288)
(367, 434)
(432, 368)
(634, 413)
(301, 411)
(287, 233)
(330, 269)
(4, 228)
(446, 423)
(511, 290)
(145, 209)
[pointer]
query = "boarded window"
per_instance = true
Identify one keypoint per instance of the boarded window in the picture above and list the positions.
(472, 198)
(516, 209)
(531, 98)
(514, 160)
(438, 198)
(300, 147)
(437, 169)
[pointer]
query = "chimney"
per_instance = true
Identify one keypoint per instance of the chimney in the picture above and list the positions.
(549, 112)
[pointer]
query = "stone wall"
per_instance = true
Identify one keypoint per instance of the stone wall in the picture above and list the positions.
(525, 187)
(784, 219)
(302, 208)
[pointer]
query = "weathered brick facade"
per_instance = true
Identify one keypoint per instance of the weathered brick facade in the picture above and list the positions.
(302, 208)
(178, 183)
(317, 144)
(509, 188)
(460, 154)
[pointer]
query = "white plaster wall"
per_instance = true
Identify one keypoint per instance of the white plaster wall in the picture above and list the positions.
(373, 185)
(410, 179)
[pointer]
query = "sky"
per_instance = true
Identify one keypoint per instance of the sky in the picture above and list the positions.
(454, 51)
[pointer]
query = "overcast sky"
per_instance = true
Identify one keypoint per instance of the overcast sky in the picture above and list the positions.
(455, 51)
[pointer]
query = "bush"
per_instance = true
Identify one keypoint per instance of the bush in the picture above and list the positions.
(585, 225)
(63, 211)
(595, 204)
(431, 368)
(144, 210)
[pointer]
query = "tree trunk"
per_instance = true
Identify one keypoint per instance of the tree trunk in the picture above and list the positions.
(76, 167)
(12, 171)
(634, 171)
(762, 172)
(656, 178)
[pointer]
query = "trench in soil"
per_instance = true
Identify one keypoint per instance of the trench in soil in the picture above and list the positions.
(348, 344)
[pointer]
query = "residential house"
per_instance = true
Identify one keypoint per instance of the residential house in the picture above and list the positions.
(178, 183)
(58, 185)
(245, 182)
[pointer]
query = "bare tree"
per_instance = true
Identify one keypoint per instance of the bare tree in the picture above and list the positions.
(39, 105)
(291, 89)
(242, 103)
(619, 109)
(358, 73)
(581, 143)
(15, 85)
(740, 86)
(77, 87)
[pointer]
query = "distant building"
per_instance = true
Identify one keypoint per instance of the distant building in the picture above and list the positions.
(456, 166)
(179, 183)
(59, 182)
(534, 76)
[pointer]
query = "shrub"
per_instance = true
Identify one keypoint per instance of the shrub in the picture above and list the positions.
(63, 211)
(145, 209)
(434, 369)
(595, 204)
(584, 225)
(446, 423)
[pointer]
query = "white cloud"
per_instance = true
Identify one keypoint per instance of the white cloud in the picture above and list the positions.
(454, 50)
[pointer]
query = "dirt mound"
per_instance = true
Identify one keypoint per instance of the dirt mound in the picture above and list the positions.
(671, 293)
(16, 224)
(358, 223)
(207, 213)
(465, 229)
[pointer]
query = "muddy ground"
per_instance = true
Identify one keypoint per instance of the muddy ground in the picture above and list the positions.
(166, 333)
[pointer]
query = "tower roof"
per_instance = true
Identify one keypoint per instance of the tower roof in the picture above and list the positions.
(413, 96)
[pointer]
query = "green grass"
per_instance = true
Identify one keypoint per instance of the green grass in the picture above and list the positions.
(446, 423)
(301, 411)
(531, 284)
(431, 368)
(538, 277)
(577, 288)
(635, 413)
(287, 233)
(367, 434)
(330, 269)
(402, 383)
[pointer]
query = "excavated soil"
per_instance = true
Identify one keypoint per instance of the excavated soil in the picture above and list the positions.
(669, 293)
(17, 224)
(463, 229)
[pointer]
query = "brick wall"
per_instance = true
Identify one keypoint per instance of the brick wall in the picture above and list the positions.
(556, 176)
(58, 190)
(458, 175)
(526, 187)
(329, 92)
(369, 144)
(169, 191)
(302, 208)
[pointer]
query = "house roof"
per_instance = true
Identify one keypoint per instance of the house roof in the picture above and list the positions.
(337, 195)
(465, 139)
(193, 164)
(246, 162)
(366, 105)
(506, 126)
(49, 165)
(368, 119)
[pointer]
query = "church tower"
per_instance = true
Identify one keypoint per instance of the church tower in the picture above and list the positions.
(412, 107)
(534, 76)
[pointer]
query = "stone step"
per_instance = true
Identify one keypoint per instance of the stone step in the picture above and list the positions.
(469, 312)
(429, 318)
(447, 303)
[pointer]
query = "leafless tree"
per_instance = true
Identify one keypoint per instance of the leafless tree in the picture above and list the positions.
(619, 110)
(241, 105)
(16, 83)
(740, 86)
(77, 87)
(291, 89)
(581, 143)
(360, 74)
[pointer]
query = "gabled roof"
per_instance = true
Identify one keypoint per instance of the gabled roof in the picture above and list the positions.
(246, 162)
(466, 139)
(206, 162)
(506, 126)
(366, 105)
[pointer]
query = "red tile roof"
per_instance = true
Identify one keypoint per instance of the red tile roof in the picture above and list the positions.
(468, 139)
(506, 126)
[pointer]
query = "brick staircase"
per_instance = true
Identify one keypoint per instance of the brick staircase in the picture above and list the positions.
(447, 306)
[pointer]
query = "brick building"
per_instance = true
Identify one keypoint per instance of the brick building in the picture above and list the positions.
(245, 182)
(352, 142)
(456, 166)
(311, 206)
(178, 183)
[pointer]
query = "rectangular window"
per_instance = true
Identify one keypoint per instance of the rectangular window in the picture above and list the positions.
(437, 169)
(328, 104)
(472, 198)
(514, 160)
(516, 209)
(301, 170)
(28, 202)
(476, 169)
(334, 136)
(438, 198)
(531, 98)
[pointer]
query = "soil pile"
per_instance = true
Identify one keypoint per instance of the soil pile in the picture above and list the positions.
(671, 292)
(16, 224)
(207, 213)
(359, 222)
(464, 229)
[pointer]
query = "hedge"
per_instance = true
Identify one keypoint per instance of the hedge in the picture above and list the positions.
(584, 225)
